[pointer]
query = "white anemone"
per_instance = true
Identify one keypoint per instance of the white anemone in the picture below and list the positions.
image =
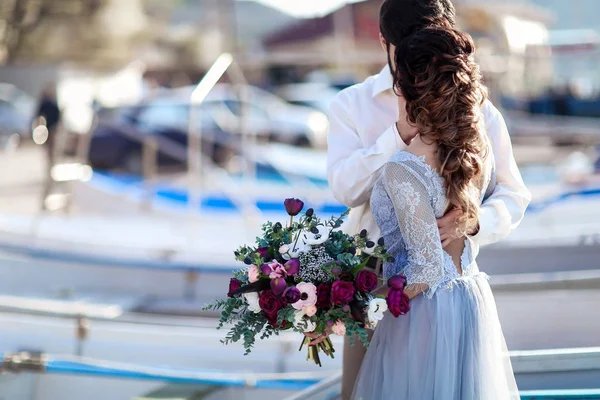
(320, 237)
(302, 322)
(376, 309)
(252, 300)
(296, 249)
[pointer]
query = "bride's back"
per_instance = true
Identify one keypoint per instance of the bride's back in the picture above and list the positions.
(420, 148)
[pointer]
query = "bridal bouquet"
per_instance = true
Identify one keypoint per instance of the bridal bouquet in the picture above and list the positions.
(307, 276)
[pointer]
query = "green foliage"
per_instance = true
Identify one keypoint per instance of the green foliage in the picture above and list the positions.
(229, 309)
(349, 260)
(338, 243)
(355, 329)
(248, 327)
(357, 268)
(336, 222)
(285, 314)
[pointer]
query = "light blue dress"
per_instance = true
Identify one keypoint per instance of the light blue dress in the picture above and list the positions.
(450, 345)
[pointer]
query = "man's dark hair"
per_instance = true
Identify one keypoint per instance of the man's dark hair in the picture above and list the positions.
(400, 18)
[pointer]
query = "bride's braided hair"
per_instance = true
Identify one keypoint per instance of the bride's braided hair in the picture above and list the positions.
(437, 75)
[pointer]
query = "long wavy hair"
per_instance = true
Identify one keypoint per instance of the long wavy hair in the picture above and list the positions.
(435, 72)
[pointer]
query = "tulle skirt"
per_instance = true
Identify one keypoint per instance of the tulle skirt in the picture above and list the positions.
(450, 347)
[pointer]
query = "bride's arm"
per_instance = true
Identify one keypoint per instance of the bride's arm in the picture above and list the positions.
(411, 291)
(416, 219)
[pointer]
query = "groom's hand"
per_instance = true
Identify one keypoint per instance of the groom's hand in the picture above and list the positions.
(407, 130)
(448, 226)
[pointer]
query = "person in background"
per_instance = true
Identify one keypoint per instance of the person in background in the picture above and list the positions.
(48, 113)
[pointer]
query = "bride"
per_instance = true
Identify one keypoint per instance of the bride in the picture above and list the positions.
(450, 344)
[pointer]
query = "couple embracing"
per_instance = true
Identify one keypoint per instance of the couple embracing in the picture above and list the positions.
(425, 161)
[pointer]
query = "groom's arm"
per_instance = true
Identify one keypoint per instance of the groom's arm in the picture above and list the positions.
(352, 168)
(505, 208)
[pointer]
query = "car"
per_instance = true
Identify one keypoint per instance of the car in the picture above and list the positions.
(310, 94)
(118, 133)
(268, 116)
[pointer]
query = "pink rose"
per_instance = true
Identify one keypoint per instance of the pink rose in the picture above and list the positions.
(310, 310)
(253, 273)
(339, 328)
(308, 295)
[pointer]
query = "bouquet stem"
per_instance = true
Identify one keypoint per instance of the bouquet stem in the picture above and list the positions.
(313, 351)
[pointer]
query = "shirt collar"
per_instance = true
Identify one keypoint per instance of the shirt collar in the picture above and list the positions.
(383, 81)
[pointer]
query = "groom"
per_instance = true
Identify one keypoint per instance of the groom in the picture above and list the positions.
(368, 125)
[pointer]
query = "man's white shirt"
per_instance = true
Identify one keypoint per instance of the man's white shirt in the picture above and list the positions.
(363, 137)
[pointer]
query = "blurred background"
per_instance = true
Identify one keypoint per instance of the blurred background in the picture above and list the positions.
(142, 141)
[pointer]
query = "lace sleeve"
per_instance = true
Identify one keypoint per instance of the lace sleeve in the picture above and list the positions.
(416, 219)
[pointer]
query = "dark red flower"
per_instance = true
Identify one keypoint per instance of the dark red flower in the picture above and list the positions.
(263, 252)
(234, 284)
(366, 281)
(270, 304)
(342, 292)
(323, 296)
(397, 282)
(293, 206)
(397, 302)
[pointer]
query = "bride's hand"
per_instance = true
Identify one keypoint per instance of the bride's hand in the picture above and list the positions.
(448, 226)
(412, 292)
(407, 130)
(318, 337)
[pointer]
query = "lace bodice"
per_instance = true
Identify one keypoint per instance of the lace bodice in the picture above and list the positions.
(406, 202)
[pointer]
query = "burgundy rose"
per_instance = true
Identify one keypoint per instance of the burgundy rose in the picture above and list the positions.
(293, 206)
(397, 302)
(262, 252)
(270, 304)
(291, 295)
(397, 282)
(366, 281)
(342, 292)
(323, 296)
(234, 284)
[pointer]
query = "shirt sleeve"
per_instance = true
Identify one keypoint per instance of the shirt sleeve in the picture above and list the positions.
(503, 211)
(424, 269)
(352, 168)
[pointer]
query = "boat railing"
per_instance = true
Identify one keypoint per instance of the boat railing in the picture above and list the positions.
(316, 385)
(26, 362)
